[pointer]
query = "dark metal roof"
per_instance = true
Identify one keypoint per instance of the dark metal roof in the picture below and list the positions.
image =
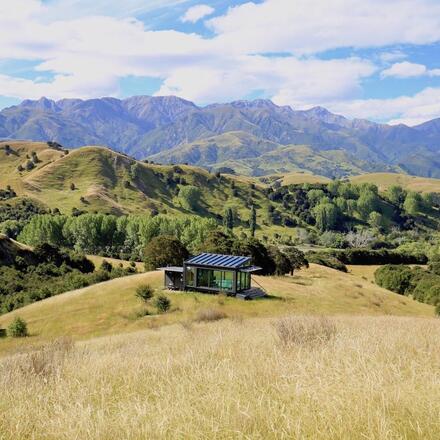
(218, 260)
(171, 269)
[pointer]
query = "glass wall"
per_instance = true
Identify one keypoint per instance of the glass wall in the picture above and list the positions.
(190, 276)
(215, 279)
(243, 280)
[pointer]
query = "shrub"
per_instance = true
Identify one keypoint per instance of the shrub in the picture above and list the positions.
(145, 292)
(18, 328)
(437, 309)
(162, 303)
(396, 278)
(207, 315)
(304, 330)
(327, 260)
(106, 266)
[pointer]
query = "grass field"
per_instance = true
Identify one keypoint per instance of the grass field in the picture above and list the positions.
(262, 378)
(112, 308)
(297, 178)
(411, 183)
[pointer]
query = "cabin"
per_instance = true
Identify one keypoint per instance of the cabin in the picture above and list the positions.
(211, 273)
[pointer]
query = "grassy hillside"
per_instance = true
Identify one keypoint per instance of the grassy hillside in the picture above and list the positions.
(339, 378)
(107, 181)
(295, 178)
(411, 183)
(111, 307)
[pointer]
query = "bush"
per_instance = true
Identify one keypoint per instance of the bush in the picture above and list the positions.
(207, 315)
(162, 303)
(437, 309)
(106, 266)
(396, 278)
(145, 292)
(327, 260)
(18, 328)
(304, 330)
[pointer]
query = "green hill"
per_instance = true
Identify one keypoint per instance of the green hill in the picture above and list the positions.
(249, 155)
(106, 181)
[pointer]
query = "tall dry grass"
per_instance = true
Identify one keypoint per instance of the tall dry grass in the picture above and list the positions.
(366, 378)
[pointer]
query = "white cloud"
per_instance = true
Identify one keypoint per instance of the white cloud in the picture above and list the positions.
(391, 56)
(196, 13)
(311, 26)
(409, 70)
(405, 70)
(409, 110)
(88, 52)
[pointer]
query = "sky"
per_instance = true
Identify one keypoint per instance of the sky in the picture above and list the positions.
(374, 59)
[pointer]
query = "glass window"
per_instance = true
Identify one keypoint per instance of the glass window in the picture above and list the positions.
(203, 277)
(190, 276)
(228, 280)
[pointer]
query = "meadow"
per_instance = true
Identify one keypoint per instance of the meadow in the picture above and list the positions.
(262, 378)
(111, 307)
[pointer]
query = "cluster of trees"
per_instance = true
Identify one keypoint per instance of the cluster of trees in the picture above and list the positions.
(167, 250)
(343, 205)
(46, 272)
(124, 237)
(422, 284)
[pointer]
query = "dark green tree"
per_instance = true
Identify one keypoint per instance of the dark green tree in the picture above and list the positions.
(164, 250)
(253, 221)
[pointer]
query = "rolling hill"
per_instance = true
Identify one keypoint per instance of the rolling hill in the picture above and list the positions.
(106, 181)
(144, 126)
(111, 307)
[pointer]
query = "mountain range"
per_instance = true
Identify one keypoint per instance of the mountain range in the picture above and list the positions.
(249, 137)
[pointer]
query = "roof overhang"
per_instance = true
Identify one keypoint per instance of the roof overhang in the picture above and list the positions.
(171, 269)
(250, 269)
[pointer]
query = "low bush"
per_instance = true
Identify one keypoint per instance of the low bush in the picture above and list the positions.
(18, 328)
(162, 304)
(145, 292)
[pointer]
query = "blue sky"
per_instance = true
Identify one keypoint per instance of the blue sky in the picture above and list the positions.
(361, 58)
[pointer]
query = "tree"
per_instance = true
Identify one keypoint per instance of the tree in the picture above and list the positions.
(217, 242)
(260, 255)
(282, 263)
(145, 292)
(253, 221)
(228, 219)
(326, 216)
(396, 195)
(367, 203)
(18, 328)
(396, 278)
(413, 203)
(162, 303)
(375, 219)
(296, 258)
(72, 187)
(164, 250)
(189, 196)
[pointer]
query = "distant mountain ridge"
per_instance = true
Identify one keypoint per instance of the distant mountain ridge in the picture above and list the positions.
(172, 129)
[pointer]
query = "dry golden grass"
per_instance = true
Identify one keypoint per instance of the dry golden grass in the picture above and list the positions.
(411, 183)
(115, 262)
(373, 378)
(112, 307)
(295, 178)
